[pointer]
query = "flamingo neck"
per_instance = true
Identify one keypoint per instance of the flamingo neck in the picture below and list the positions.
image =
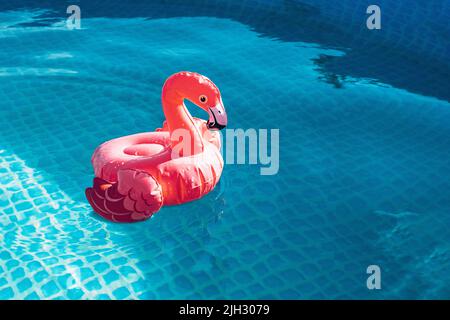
(178, 117)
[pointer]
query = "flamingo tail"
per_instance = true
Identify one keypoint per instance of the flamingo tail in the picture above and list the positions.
(136, 196)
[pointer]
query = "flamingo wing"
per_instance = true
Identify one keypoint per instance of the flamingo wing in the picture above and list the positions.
(135, 197)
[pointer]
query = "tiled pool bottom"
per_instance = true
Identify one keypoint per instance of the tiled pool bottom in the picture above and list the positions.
(364, 171)
(53, 247)
(42, 261)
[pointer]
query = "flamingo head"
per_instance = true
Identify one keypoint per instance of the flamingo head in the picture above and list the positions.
(204, 93)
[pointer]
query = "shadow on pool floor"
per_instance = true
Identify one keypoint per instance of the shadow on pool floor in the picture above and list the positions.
(294, 21)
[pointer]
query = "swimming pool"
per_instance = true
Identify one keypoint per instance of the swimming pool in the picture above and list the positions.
(364, 173)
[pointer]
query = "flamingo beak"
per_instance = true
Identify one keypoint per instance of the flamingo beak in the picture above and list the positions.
(217, 117)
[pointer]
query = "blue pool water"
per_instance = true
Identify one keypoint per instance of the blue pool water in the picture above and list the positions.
(364, 172)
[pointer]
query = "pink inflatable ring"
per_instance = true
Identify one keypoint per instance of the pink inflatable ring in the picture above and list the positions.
(136, 175)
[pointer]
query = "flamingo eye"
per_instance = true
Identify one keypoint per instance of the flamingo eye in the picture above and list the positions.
(203, 98)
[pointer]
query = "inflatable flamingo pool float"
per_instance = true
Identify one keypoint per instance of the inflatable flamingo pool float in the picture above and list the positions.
(137, 174)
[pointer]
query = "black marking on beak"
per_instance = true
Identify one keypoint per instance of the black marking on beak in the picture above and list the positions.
(214, 125)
